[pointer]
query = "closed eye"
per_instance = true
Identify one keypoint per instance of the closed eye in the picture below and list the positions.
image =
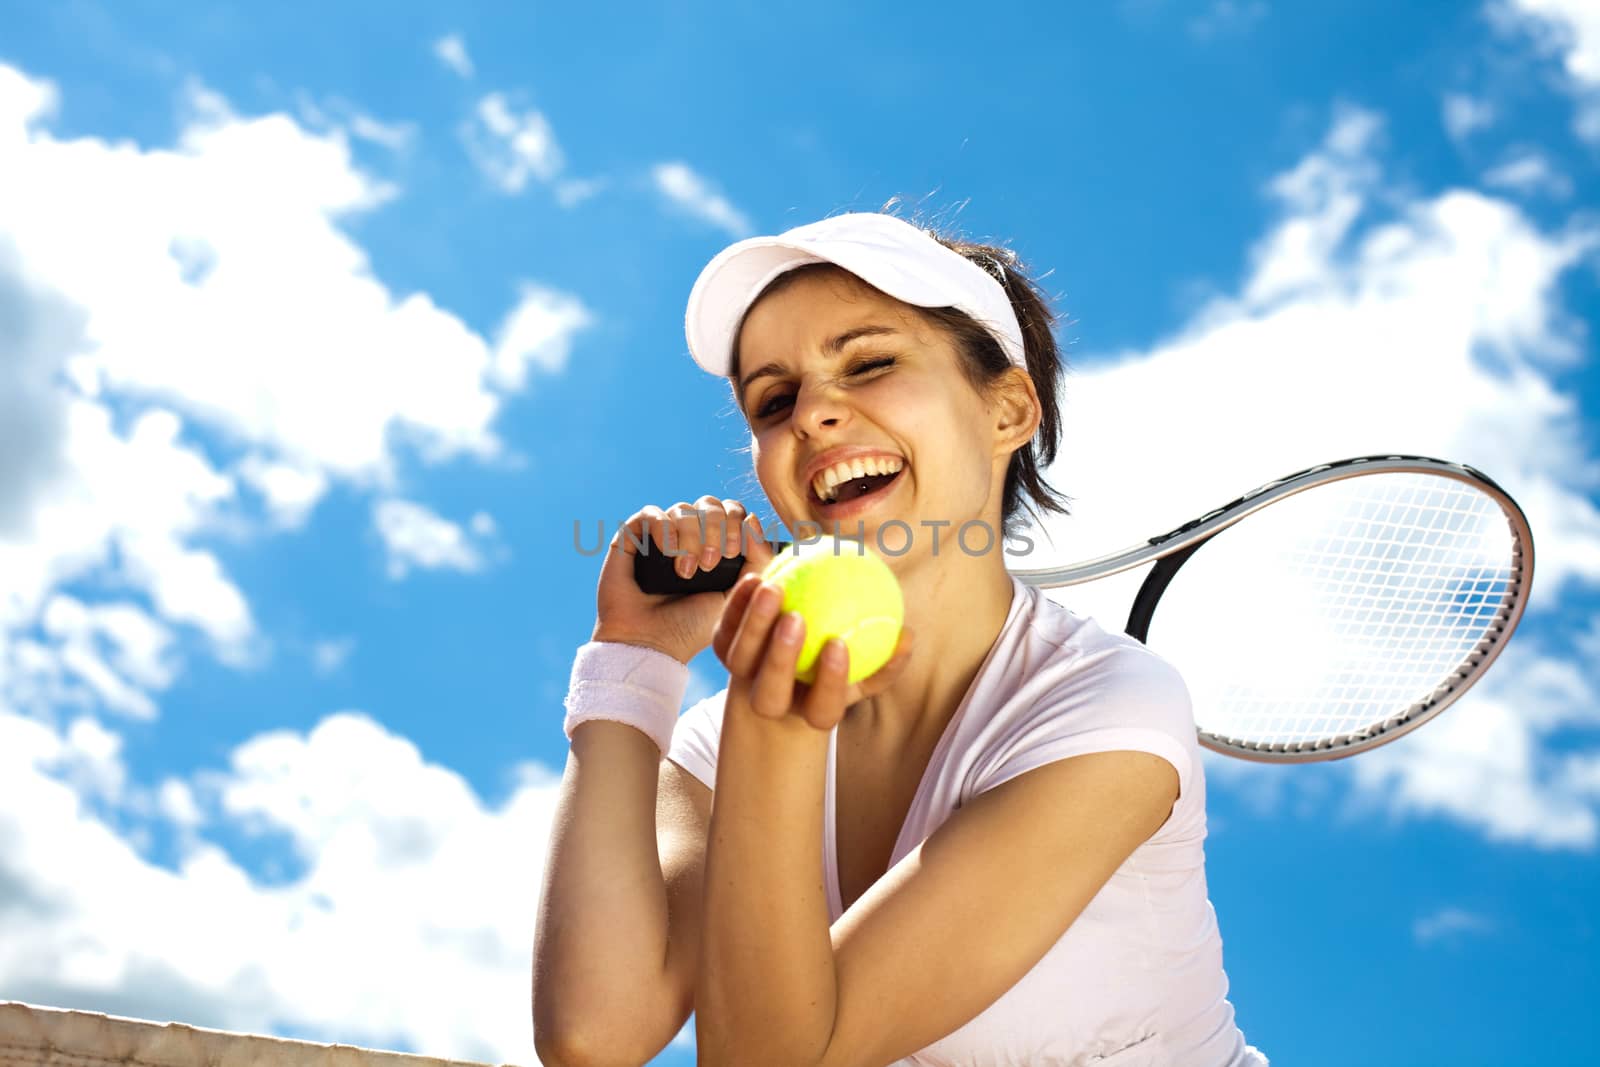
(872, 364)
(865, 366)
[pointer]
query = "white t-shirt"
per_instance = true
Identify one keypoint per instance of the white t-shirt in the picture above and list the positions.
(1137, 980)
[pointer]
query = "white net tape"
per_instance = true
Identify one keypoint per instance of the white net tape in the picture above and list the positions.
(32, 1036)
(1339, 609)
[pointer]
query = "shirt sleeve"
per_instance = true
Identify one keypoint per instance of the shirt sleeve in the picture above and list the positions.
(1133, 701)
(696, 736)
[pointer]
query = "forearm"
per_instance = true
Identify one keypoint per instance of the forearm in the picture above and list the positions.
(766, 991)
(601, 944)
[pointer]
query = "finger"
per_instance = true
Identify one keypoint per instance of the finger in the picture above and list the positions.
(733, 540)
(632, 535)
(825, 701)
(713, 519)
(687, 529)
(754, 630)
(772, 689)
(655, 525)
(733, 612)
(757, 552)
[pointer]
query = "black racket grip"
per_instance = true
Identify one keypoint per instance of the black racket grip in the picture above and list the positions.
(654, 574)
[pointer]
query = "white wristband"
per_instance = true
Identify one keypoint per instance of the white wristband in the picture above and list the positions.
(629, 684)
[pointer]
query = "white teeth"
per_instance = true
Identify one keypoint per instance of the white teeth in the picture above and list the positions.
(827, 481)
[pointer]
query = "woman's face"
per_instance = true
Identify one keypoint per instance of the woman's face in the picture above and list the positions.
(832, 371)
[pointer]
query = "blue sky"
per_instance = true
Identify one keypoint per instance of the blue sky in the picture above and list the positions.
(321, 325)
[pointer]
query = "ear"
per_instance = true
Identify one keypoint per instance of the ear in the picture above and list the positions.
(1014, 405)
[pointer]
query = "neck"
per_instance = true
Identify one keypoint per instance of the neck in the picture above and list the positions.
(956, 606)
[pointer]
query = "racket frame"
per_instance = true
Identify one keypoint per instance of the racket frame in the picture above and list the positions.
(1172, 549)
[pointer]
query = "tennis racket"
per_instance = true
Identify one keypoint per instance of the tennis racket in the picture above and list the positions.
(1362, 599)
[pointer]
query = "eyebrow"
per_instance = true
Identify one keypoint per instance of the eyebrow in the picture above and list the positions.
(833, 346)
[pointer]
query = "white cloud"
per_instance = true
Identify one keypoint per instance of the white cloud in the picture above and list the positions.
(1483, 762)
(117, 652)
(413, 536)
(24, 102)
(290, 491)
(1449, 924)
(142, 496)
(153, 394)
(329, 656)
(91, 757)
(1370, 322)
(1570, 30)
(693, 194)
(144, 356)
(320, 375)
(1587, 642)
(509, 147)
(395, 136)
(537, 332)
(175, 801)
(407, 916)
(1529, 172)
(573, 191)
(512, 147)
(1465, 115)
(451, 50)
(1581, 774)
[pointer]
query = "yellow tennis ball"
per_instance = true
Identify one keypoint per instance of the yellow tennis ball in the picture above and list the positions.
(841, 589)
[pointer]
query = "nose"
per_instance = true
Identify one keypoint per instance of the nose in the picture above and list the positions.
(818, 408)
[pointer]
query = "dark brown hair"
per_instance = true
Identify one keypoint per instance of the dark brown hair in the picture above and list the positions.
(983, 362)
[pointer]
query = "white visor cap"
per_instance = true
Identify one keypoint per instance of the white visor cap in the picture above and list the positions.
(887, 253)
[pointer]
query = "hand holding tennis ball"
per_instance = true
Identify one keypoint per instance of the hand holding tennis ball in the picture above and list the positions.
(842, 590)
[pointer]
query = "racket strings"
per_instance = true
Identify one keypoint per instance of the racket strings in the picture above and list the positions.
(1366, 600)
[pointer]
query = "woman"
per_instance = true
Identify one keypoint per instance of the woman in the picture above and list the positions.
(988, 852)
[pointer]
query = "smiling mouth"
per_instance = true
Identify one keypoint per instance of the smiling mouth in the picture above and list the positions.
(855, 489)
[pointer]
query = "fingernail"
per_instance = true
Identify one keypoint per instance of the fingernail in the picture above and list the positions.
(768, 597)
(684, 566)
(709, 556)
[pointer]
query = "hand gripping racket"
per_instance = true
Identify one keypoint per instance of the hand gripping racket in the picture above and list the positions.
(1362, 599)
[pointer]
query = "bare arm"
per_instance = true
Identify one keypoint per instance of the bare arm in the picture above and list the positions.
(942, 935)
(618, 931)
(618, 936)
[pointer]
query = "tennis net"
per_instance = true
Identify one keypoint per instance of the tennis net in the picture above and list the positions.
(33, 1036)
